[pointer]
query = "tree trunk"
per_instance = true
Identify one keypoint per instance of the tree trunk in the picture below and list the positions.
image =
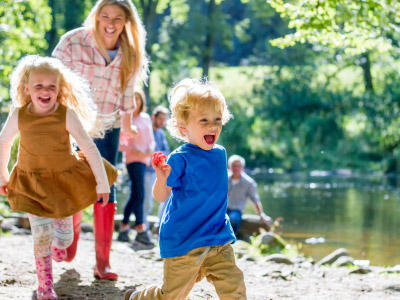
(366, 67)
(74, 14)
(148, 17)
(51, 35)
(209, 43)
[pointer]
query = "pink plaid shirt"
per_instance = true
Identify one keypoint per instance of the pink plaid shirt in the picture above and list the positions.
(78, 50)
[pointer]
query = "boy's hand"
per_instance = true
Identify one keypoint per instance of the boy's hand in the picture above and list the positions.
(105, 196)
(159, 164)
(4, 190)
(158, 159)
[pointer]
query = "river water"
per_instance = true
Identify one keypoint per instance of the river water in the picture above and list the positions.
(324, 212)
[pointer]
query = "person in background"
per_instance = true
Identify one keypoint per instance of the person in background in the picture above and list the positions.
(242, 187)
(137, 154)
(159, 117)
(109, 52)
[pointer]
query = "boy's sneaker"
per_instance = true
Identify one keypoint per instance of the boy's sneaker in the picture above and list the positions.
(123, 236)
(144, 238)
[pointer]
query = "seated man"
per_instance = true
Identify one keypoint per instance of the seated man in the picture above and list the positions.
(240, 188)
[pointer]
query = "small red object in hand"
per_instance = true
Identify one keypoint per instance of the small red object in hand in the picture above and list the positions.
(159, 158)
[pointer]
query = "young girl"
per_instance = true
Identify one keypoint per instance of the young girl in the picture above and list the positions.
(109, 52)
(137, 153)
(195, 233)
(48, 181)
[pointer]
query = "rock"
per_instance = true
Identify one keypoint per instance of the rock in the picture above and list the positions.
(20, 231)
(395, 288)
(240, 253)
(251, 225)
(23, 221)
(395, 269)
(361, 262)
(153, 220)
(343, 261)
(362, 270)
(315, 240)
(277, 274)
(273, 239)
(8, 224)
(331, 258)
(279, 258)
(248, 258)
(85, 227)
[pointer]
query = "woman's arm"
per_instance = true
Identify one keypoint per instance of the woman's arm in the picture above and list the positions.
(152, 145)
(126, 126)
(128, 102)
(63, 51)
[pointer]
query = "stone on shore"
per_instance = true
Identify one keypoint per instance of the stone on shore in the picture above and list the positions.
(331, 258)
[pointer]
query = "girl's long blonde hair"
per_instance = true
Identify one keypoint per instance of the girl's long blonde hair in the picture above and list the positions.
(191, 95)
(132, 40)
(73, 92)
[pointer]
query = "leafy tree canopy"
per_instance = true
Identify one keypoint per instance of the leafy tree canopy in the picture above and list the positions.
(357, 26)
(23, 25)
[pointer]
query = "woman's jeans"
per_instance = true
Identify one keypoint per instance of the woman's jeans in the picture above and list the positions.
(235, 216)
(136, 199)
(108, 148)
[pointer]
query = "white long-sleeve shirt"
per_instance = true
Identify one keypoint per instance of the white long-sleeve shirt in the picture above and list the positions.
(75, 128)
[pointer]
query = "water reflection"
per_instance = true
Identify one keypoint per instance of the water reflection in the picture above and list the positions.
(359, 213)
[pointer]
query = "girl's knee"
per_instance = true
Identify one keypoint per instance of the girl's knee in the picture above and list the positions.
(42, 243)
(64, 233)
(64, 242)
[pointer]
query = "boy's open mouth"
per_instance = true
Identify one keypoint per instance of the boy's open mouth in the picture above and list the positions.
(209, 138)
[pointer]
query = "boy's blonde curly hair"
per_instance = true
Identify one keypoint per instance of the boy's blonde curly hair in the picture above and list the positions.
(73, 92)
(190, 95)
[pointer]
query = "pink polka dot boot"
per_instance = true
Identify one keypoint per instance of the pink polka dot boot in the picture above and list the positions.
(58, 254)
(45, 289)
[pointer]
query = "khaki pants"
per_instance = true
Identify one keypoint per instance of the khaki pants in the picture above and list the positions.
(216, 263)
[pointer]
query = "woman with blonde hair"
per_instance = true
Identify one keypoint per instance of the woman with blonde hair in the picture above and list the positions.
(109, 52)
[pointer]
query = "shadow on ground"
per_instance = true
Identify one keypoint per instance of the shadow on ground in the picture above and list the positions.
(69, 288)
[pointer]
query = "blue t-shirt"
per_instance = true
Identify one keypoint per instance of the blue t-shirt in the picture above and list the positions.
(195, 214)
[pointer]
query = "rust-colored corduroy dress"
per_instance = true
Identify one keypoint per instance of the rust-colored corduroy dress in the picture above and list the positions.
(48, 180)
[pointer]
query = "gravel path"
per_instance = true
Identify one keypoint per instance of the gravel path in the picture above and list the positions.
(264, 280)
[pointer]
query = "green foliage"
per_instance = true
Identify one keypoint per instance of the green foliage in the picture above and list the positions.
(257, 248)
(355, 25)
(4, 207)
(23, 25)
(88, 215)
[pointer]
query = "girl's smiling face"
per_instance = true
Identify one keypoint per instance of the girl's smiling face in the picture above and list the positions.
(203, 128)
(43, 89)
(111, 20)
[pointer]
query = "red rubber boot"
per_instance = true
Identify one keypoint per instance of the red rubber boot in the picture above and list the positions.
(103, 231)
(71, 250)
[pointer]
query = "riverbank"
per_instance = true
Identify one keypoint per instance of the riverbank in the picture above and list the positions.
(264, 279)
